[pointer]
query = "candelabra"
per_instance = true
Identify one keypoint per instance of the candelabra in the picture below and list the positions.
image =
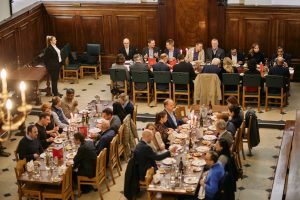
(9, 121)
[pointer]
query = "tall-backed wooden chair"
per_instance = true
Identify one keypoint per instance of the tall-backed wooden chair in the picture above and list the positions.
(92, 50)
(230, 85)
(64, 192)
(148, 178)
(100, 175)
(253, 81)
(140, 77)
(113, 158)
(118, 76)
(162, 84)
(180, 112)
(181, 79)
(121, 146)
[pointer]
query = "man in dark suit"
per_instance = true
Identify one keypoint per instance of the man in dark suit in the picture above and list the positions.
(183, 66)
(151, 51)
(29, 146)
(236, 57)
(280, 70)
(127, 50)
(213, 68)
(214, 51)
(171, 51)
(114, 120)
(162, 66)
(172, 122)
(145, 156)
(280, 53)
(139, 66)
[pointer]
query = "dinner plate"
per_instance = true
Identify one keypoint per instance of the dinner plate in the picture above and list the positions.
(181, 136)
(202, 149)
(70, 155)
(190, 180)
(57, 141)
(84, 111)
(177, 141)
(187, 126)
(209, 132)
(198, 163)
(179, 147)
(212, 127)
(168, 161)
(197, 169)
(43, 155)
(209, 137)
(65, 129)
(99, 120)
(56, 179)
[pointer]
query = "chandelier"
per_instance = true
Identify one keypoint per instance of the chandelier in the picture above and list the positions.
(11, 122)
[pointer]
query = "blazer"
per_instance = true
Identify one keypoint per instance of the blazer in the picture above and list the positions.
(227, 136)
(185, 67)
(240, 56)
(104, 142)
(129, 56)
(176, 52)
(85, 159)
(146, 157)
(160, 66)
(212, 69)
(170, 123)
(129, 108)
(220, 53)
(259, 57)
(146, 51)
(190, 55)
(115, 123)
(51, 58)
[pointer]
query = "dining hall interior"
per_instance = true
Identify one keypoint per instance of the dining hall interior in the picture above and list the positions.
(149, 99)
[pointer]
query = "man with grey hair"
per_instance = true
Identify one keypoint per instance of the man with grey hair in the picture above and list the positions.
(213, 68)
(127, 50)
(222, 132)
(214, 51)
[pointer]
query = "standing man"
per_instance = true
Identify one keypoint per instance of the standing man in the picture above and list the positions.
(215, 51)
(151, 51)
(127, 50)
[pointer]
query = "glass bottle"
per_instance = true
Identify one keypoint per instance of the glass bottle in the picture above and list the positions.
(180, 166)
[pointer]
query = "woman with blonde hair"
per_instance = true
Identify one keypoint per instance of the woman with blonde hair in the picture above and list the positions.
(157, 144)
(255, 53)
(53, 62)
(228, 67)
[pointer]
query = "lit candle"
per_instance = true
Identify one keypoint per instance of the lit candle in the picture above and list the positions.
(186, 50)
(4, 84)
(22, 88)
(8, 107)
(195, 119)
(71, 116)
(180, 51)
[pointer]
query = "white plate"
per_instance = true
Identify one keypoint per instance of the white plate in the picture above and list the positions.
(190, 180)
(70, 155)
(209, 132)
(94, 130)
(202, 149)
(209, 137)
(65, 129)
(187, 126)
(241, 74)
(99, 120)
(43, 155)
(58, 141)
(84, 111)
(181, 136)
(168, 161)
(179, 147)
(198, 163)
(212, 127)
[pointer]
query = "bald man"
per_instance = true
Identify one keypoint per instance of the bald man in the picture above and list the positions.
(280, 70)
(145, 155)
(127, 50)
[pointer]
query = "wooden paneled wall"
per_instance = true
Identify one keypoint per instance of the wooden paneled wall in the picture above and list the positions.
(23, 37)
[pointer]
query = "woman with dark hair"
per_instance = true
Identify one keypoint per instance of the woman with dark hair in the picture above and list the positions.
(232, 100)
(255, 53)
(119, 111)
(223, 150)
(120, 64)
(157, 143)
(235, 115)
(160, 120)
(252, 71)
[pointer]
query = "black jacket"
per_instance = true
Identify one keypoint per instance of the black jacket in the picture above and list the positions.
(27, 148)
(170, 123)
(104, 140)
(185, 67)
(43, 136)
(146, 51)
(254, 133)
(131, 183)
(209, 54)
(85, 160)
(240, 56)
(129, 56)
(146, 157)
(51, 59)
(176, 52)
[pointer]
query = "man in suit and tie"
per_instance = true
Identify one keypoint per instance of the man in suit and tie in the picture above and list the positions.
(127, 50)
(214, 51)
(170, 50)
(183, 66)
(114, 120)
(172, 122)
(151, 51)
(236, 57)
(146, 157)
(280, 53)
(139, 66)
(162, 64)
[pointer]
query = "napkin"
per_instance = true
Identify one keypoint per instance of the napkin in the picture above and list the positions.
(201, 194)
(156, 178)
(30, 166)
(61, 170)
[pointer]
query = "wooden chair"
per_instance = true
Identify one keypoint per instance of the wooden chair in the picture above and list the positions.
(254, 81)
(180, 112)
(246, 136)
(17, 157)
(30, 191)
(121, 146)
(232, 80)
(276, 83)
(64, 192)
(113, 158)
(140, 77)
(148, 178)
(118, 75)
(179, 79)
(162, 79)
(237, 145)
(92, 50)
(135, 113)
(100, 174)
(70, 71)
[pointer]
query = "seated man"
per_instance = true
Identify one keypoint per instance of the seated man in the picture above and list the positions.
(214, 176)
(172, 122)
(171, 51)
(58, 115)
(222, 132)
(236, 57)
(45, 138)
(229, 126)
(280, 70)
(196, 53)
(214, 51)
(162, 66)
(29, 146)
(183, 66)
(114, 120)
(145, 156)
(139, 66)
(280, 53)
(104, 138)
(214, 68)
(69, 104)
(85, 159)
(127, 50)
(150, 51)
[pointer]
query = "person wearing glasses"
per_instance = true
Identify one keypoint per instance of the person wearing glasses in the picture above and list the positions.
(127, 50)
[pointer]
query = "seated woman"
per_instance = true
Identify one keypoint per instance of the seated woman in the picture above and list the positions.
(235, 116)
(58, 115)
(69, 104)
(222, 148)
(255, 53)
(119, 64)
(166, 133)
(127, 104)
(232, 100)
(119, 111)
(51, 128)
(229, 68)
(157, 143)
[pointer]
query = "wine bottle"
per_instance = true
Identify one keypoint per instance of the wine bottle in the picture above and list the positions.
(190, 144)
(180, 166)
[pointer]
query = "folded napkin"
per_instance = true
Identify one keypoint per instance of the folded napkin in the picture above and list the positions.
(156, 178)
(30, 166)
(201, 194)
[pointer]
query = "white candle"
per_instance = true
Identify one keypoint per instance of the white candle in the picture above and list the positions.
(22, 88)
(180, 51)
(71, 116)
(4, 84)
(8, 107)
(186, 50)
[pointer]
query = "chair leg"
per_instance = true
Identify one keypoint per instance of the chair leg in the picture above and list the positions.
(99, 191)
(96, 73)
(266, 102)
(119, 162)
(243, 98)
(106, 184)
(155, 95)
(243, 153)
(249, 148)
(118, 169)
(125, 156)
(78, 187)
(112, 174)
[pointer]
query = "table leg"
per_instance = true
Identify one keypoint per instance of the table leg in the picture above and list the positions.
(48, 89)
(38, 100)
